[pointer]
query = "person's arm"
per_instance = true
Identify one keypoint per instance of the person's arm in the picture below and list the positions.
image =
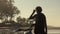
(45, 24)
(46, 27)
(31, 17)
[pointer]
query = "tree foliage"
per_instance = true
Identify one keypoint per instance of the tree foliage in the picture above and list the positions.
(7, 9)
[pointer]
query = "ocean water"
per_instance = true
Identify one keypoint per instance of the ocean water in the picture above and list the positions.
(7, 31)
(53, 31)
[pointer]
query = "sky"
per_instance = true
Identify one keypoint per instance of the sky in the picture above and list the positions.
(51, 9)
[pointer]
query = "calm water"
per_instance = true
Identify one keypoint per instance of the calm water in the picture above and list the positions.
(53, 31)
(23, 32)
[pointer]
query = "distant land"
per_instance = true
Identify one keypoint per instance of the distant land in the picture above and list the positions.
(53, 27)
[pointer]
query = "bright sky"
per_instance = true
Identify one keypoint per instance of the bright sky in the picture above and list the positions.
(51, 8)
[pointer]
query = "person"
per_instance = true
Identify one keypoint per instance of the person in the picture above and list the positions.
(40, 20)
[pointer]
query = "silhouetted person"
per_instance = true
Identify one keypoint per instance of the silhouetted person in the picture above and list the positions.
(40, 20)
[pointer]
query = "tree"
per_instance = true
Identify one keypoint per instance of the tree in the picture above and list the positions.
(7, 9)
(21, 20)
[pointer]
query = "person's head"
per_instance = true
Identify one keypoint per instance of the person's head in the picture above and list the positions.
(38, 9)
